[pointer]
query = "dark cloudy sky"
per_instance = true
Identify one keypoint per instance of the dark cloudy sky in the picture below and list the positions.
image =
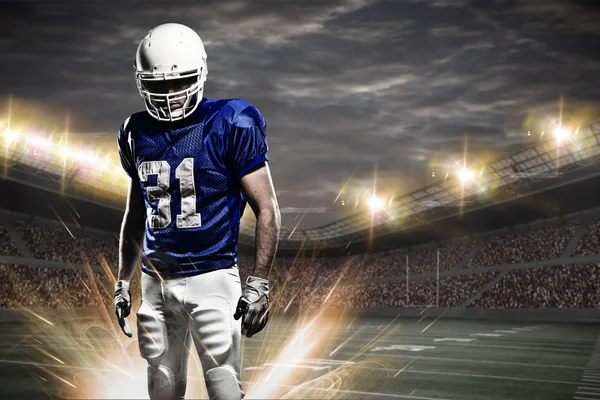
(346, 87)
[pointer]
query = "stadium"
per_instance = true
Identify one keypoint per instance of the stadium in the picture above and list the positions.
(483, 285)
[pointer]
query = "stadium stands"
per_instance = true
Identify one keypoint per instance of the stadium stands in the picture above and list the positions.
(375, 280)
(7, 246)
(566, 286)
(590, 243)
(57, 242)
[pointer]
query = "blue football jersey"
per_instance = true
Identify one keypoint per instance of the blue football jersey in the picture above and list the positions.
(189, 172)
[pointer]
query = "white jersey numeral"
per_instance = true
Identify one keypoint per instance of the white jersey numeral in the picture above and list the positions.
(161, 219)
(188, 218)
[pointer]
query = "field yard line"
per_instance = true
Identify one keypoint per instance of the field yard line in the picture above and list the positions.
(420, 357)
(511, 378)
(455, 344)
(357, 364)
(427, 338)
(398, 396)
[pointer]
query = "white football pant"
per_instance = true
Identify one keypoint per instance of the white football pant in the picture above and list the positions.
(173, 312)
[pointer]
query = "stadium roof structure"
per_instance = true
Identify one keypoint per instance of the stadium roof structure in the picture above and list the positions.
(541, 165)
(520, 173)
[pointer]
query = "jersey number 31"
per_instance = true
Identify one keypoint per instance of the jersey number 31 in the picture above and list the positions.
(161, 219)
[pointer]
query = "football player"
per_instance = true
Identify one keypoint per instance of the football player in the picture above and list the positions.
(193, 164)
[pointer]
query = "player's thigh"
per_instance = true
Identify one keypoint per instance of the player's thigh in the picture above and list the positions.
(163, 332)
(211, 299)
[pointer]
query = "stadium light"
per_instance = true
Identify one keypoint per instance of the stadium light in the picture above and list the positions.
(466, 175)
(57, 155)
(86, 157)
(65, 152)
(375, 203)
(561, 133)
(10, 136)
(37, 141)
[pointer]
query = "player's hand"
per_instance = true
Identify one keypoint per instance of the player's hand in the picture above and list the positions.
(123, 305)
(253, 306)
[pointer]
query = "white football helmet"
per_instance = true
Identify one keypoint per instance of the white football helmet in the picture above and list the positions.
(170, 71)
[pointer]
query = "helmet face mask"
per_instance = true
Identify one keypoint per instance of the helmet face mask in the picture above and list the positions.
(170, 71)
(171, 99)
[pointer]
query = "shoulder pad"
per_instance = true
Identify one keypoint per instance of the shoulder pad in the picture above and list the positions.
(244, 114)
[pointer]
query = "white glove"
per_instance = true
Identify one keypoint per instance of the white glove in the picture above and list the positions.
(253, 306)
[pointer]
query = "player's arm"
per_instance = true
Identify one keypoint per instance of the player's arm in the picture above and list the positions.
(132, 231)
(132, 227)
(132, 234)
(134, 218)
(247, 147)
(258, 190)
(253, 306)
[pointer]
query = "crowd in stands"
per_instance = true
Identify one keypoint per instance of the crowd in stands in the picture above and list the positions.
(7, 246)
(60, 243)
(53, 288)
(453, 291)
(570, 286)
(590, 242)
(366, 281)
(545, 243)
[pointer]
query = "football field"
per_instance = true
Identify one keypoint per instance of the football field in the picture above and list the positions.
(325, 358)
